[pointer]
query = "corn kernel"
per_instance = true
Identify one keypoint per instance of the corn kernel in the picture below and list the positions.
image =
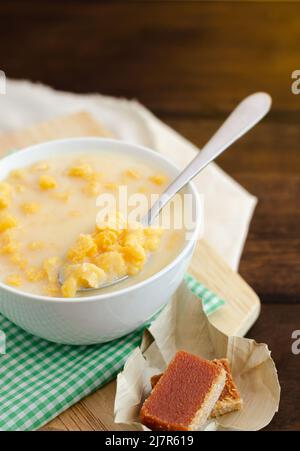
(84, 247)
(133, 237)
(135, 257)
(35, 274)
(10, 248)
(47, 182)
(69, 287)
(51, 266)
(116, 247)
(132, 174)
(158, 179)
(92, 188)
(14, 280)
(83, 170)
(30, 208)
(105, 239)
(19, 261)
(5, 195)
(7, 222)
(111, 263)
(134, 253)
(143, 189)
(134, 268)
(111, 186)
(4, 201)
(152, 238)
(87, 275)
(82, 275)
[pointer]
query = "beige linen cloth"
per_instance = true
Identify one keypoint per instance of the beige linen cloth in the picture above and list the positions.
(228, 207)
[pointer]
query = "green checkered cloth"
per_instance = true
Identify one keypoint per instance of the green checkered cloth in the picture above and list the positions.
(39, 379)
(2, 342)
(211, 302)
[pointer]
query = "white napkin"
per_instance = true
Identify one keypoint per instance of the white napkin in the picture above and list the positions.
(228, 207)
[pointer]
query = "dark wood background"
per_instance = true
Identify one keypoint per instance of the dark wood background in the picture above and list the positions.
(190, 63)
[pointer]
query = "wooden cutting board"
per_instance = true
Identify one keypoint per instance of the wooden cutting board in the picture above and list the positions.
(242, 305)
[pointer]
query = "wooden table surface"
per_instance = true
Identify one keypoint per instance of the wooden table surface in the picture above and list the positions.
(190, 63)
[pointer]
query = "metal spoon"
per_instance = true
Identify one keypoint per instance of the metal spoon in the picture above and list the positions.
(247, 114)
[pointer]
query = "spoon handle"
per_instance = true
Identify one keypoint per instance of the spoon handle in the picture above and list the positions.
(250, 111)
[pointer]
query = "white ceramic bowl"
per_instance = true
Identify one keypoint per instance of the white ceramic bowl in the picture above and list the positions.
(102, 317)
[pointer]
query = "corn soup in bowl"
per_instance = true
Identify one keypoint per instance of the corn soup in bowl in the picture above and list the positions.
(73, 204)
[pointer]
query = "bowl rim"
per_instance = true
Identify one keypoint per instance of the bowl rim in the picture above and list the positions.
(142, 283)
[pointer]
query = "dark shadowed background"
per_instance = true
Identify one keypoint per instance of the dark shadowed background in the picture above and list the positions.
(190, 63)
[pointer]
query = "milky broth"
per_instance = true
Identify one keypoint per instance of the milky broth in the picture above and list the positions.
(50, 219)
